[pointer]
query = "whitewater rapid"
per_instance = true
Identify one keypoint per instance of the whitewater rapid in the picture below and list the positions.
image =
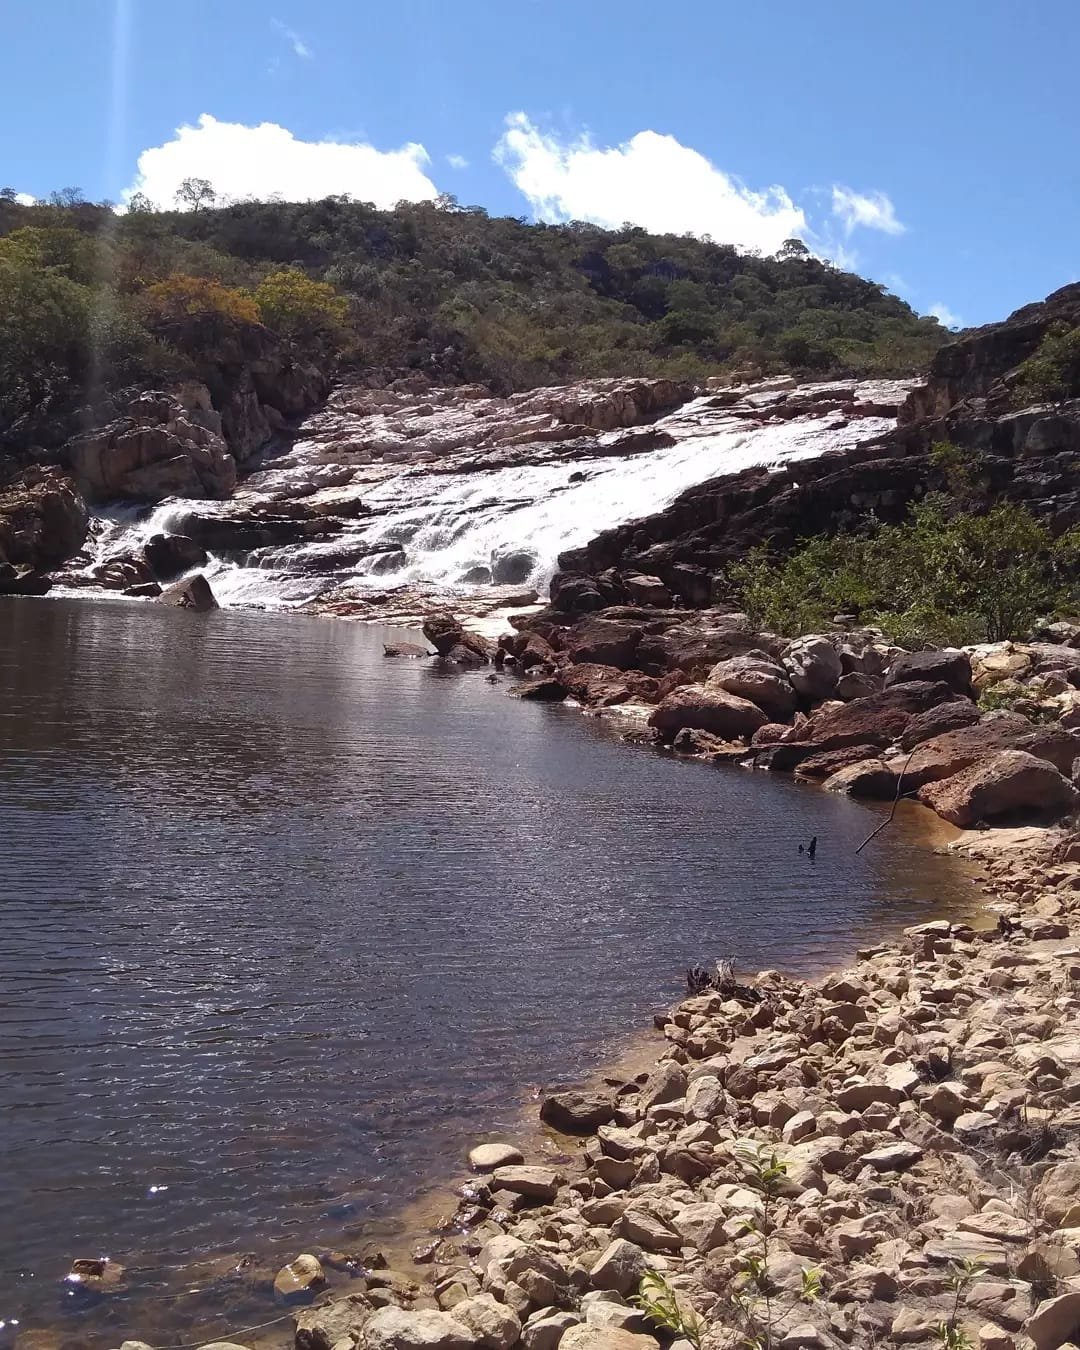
(462, 530)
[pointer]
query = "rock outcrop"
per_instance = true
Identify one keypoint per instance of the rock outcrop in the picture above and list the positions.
(43, 518)
(165, 445)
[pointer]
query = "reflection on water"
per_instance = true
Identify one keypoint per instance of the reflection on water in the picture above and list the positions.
(285, 925)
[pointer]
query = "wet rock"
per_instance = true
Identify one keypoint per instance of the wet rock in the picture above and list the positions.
(489, 1157)
(23, 581)
(409, 649)
(191, 593)
(300, 1279)
(97, 1276)
(423, 1329)
(451, 640)
(577, 1112)
(169, 555)
(713, 710)
(1005, 784)
(828, 762)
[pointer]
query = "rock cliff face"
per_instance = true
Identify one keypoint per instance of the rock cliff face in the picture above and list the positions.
(43, 518)
(166, 445)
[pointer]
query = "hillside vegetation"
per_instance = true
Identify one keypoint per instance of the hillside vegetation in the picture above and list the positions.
(92, 301)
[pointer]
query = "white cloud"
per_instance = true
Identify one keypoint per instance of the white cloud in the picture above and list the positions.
(871, 210)
(457, 161)
(944, 315)
(651, 179)
(896, 283)
(25, 199)
(293, 38)
(268, 160)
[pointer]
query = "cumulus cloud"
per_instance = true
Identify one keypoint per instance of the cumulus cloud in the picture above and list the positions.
(293, 38)
(269, 161)
(652, 180)
(945, 316)
(869, 210)
(457, 161)
(25, 199)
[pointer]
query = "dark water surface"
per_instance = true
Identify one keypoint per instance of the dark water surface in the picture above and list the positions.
(285, 926)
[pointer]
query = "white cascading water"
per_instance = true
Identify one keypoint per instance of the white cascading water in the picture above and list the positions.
(459, 529)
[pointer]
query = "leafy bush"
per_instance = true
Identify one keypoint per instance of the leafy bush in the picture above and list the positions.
(183, 297)
(944, 576)
(1052, 373)
(298, 308)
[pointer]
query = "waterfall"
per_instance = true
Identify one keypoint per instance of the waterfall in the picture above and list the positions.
(474, 527)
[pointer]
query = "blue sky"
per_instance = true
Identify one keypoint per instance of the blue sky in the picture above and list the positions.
(930, 144)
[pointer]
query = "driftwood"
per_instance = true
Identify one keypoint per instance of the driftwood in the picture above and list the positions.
(700, 981)
(888, 819)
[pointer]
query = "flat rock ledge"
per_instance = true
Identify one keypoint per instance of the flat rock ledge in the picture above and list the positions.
(919, 1112)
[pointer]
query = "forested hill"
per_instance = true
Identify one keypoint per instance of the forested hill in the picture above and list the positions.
(95, 301)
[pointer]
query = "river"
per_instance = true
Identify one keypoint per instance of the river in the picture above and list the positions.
(286, 926)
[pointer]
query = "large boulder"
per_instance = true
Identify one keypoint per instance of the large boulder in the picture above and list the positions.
(757, 678)
(943, 756)
(169, 555)
(814, 667)
(1009, 783)
(878, 719)
(937, 721)
(43, 518)
(704, 709)
(160, 448)
(191, 593)
(600, 686)
(605, 641)
(573, 593)
(695, 646)
(453, 641)
(946, 665)
(577, 1112)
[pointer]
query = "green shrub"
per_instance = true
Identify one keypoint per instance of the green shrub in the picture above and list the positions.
(944, 576)
(1052, 373)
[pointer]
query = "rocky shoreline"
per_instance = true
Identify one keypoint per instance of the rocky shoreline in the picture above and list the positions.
(871, 1159)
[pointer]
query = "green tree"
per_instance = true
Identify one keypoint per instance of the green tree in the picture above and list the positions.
(292, 304)
(195, 194)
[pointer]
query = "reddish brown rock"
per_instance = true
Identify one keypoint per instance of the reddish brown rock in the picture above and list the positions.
(879, 719)
(707, 710)
(1010, 783)
(43, 519)
(937, 721)
(829, 762)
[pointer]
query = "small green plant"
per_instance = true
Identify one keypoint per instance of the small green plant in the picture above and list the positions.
(660, 1303)
(755, 1301)
(962, 1275)
(811, 1286)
